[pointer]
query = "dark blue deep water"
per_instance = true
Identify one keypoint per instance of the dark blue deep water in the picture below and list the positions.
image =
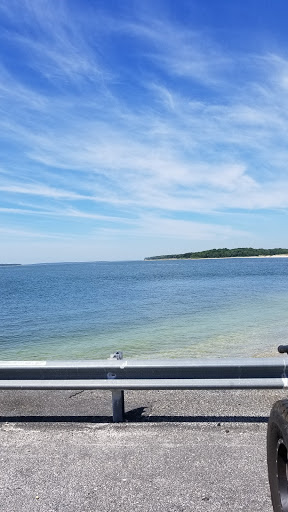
(147, 309)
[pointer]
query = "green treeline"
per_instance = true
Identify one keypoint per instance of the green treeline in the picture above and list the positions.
(222, 253)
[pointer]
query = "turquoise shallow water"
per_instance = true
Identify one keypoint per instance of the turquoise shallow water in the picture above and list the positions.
(147, 309)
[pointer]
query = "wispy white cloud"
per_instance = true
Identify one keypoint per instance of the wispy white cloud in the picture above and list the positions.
(191, 230)
(78, 130)
(69, 212)
(40, 190)
(23, 234)
(53, 41)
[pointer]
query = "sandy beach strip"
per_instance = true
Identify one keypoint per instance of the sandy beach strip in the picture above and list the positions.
(222, 258)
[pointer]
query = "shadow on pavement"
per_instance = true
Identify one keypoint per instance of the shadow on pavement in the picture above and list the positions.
(56, 419)
(207, 419)
(135, 416)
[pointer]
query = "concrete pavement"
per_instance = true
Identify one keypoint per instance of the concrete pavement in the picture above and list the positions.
(179, 451)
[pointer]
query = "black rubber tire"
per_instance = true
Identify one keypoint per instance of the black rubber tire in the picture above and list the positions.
(277, 450)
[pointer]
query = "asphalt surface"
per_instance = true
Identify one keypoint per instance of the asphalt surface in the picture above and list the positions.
(178, 451)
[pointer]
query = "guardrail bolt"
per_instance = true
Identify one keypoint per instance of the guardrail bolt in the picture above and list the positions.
(117, 355)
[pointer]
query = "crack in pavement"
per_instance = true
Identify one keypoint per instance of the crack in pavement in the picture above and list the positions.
(77, 393)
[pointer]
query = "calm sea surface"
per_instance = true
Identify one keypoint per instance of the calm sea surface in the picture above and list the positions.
(147, 309)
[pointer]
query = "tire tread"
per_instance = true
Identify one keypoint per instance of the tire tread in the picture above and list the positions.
(277, 429)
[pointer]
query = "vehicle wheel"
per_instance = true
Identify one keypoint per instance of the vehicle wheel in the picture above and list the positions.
(277, 450)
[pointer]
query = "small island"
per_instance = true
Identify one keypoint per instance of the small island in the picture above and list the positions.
(10, 264)
(242, 252)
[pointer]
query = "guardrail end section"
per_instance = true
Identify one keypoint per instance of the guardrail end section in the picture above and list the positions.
(118, 405)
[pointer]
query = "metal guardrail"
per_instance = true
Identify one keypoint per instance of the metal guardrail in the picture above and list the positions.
(117, 375)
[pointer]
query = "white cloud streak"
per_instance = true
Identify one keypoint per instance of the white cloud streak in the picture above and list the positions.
(76, 138)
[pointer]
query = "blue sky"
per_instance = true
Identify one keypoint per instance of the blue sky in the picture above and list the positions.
(136, 128)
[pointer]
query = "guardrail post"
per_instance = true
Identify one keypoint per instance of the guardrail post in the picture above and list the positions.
(118, 410)
(118, 405)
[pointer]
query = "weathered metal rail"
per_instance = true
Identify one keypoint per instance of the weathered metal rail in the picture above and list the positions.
(117, 375)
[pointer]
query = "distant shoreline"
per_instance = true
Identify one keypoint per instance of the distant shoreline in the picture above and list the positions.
(10, 264)
(220, 258)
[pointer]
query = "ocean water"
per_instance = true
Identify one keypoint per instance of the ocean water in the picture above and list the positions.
(214, 308)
